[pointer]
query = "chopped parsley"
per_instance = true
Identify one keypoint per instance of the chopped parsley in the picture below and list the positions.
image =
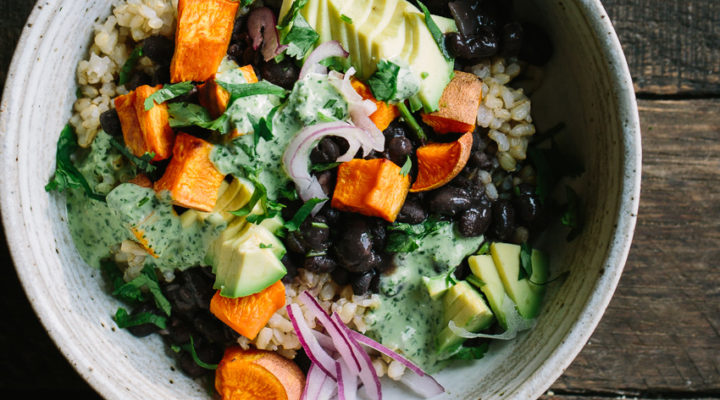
(125, 320)
(346, 19)
(405, 238)
(299, 39)
(302, 214)
(168, 92)
(383, 83)
(435, 31)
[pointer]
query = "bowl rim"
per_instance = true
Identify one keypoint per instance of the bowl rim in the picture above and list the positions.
(591, 313)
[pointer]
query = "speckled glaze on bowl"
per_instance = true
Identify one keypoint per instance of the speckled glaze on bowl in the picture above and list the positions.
(587, 86)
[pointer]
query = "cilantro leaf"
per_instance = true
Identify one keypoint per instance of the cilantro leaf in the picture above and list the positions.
(484, 249)
(67, 176)
(383, 83)
(129, 65)
(300, 38)
(125, 320)
(435, 31)
(320, 167)
(405, 238)
(141, 162)
(295, 8)
(168, 92)
(189, 114)
(405, 170)
(147, 280)
(302, 214)
(238, 90)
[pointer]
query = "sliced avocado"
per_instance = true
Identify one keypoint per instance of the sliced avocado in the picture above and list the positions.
(437, 285)
(540, 272)
(388, 43)
(256, 236)
(484, 269)
(358, 13)
(227, 235)
(427, 60)
(467, 309)
(249, 271)
(527, 296)
(379, 18)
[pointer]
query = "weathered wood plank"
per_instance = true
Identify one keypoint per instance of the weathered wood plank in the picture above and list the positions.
(672, 46)
(661, 332)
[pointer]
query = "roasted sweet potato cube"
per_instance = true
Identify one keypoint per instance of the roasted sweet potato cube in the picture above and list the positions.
(215, 99)
(458, 105)
(154, 124)
(385, 114)
(202, 37)
(132, 134)
(191, 177)
(375, 188)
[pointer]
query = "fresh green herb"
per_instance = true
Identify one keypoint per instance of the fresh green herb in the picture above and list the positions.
(190, 348)
(147, 280)
(143, 202)
(572, 214)
(315, 254)
(124, 320)
(339, 64)
(435, 31)
(266, 246)
(189, 114)
(295, 8)
(412, 122)
(262, 129)
(424, 75)
(484, 249)
(299, 39)
(238, 90)
(144, 162)
(288, 193)
(415, 103)
(246, 3)
(67, 176)
(471, 353)
(319, 225)
(405, 170)
(475, 281)
(526, 268)
(405, 238)
(383, 83)
(346, 19)
(302, 214)
(129, 66)
(324, 166)
(544, 179)
(168, 92)
(270, 208)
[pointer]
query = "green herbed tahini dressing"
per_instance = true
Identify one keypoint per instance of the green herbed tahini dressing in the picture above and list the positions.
(407, 320)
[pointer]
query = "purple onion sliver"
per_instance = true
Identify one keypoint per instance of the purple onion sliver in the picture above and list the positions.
(313, 382)
(314, 351)
(388, 352)
(425, 386)
(347, 382)
(340, 340)
(329, 49)
(368, 376)
(262, 27)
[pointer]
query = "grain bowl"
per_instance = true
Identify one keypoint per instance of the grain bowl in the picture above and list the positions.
(585, 85)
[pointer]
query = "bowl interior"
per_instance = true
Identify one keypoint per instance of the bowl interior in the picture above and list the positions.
(586, 86)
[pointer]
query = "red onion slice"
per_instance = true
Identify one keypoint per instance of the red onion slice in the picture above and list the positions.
(340, 341)
(347, 382)
(262, 28)
(328, 49)
(314, 351)
(318, 385)
(368, 375)
(296, 159)
(424, 384)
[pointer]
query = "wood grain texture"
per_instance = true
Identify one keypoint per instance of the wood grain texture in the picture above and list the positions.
(661, 333)
(672, 46)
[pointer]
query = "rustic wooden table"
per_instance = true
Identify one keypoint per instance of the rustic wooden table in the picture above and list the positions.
(660, 337)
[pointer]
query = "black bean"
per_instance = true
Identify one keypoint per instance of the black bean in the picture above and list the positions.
(354, 248)
(290, 267)
(319, 264)
(449, 201)
(361, 283)
(284, 73)
(465, 15)
(379, 233)
(512, 39)
(482, 45)
(144, 329)
(295, 243)
(161, 75)
(180, 297)
(375, 284)
(190, 367)
(331, 215)
(178, 331)
(528, 207)
(315, 234)
(474, 222)
(412, 212)
(138, 79)
(327, 180)
(110, 122)
(396, 129)
(503, 219)
(326, 151)
(209, 327)
(159, 49)
(462, 271)
(398, 149)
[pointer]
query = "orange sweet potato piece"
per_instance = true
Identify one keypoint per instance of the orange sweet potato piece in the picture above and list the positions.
(190, 177)
(215, 99)
(249, 314)
(439, 163)
(132, 134)
(458, 105)
(256, 374)
(385, 114)
(202, 37)
(375, 188)
(154, 124)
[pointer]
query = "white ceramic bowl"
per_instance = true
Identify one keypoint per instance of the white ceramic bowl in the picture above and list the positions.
(587, 86)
